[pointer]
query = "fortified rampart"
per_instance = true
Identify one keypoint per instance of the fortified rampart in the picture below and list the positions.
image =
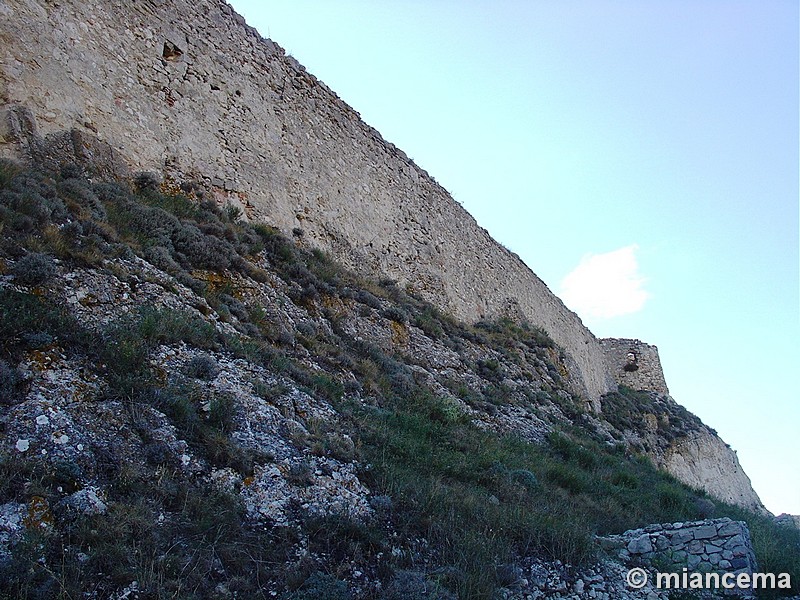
(634, 364)
(188, 90)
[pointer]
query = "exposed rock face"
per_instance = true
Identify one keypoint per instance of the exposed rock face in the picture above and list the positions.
(188, 90)
(698, 457)
(704, 461)
(788, 520)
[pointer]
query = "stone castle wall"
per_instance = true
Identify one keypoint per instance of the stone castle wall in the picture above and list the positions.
(188, 90)
(634, 364)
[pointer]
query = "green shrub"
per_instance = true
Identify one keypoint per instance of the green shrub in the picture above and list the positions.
(568, 478)
(429, 320)
(32, 202)
(671, 498)
(29, 321)
(524, 478)
(202, 366)
(625, 479)
(572, 451)
(34, 269)
(77, 193)
(394, 313)
(222, 410)
(8, 170)
(321, 586)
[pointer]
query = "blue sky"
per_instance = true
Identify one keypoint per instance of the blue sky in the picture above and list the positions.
(640, 157)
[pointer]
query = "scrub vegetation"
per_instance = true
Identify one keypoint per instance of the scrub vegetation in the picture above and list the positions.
(469, 500)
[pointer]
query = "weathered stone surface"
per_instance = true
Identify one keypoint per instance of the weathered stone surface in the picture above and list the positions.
(198, 96)
(635, 364)
(680, 536)
(229, 109)
(788, 520)
(695, 547)
(87, 502)
(705, 532)
(640, 545)
(726, 529)
(704, 461)
(12, 527)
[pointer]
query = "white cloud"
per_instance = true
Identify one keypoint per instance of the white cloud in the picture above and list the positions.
(605, 285)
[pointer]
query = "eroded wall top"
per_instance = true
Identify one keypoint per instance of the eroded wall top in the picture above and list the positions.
(634, 364)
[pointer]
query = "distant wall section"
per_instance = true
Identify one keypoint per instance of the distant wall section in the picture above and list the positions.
(187, 89)
(634, 364)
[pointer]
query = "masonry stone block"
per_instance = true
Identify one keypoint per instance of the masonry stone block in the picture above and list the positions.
(681, 536)
(734, 541)
(739, 563)
(705, 532)
(728, 529)
(640, 545)
(695, 547)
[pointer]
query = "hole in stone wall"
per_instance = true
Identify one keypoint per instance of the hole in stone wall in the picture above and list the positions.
(631, 365)
(171, 52)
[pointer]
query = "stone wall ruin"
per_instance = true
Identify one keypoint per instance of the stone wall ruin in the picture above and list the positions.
(634, 364)
(714, 545)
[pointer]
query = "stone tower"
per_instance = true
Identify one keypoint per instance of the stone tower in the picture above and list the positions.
(634, 364)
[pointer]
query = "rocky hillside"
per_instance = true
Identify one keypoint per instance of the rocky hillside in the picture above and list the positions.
(195, 406)
(294, 155)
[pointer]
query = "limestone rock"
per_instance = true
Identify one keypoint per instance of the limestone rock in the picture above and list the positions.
(702, 460)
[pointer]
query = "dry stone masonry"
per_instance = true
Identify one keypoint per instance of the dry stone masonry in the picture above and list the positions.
(716, 545)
